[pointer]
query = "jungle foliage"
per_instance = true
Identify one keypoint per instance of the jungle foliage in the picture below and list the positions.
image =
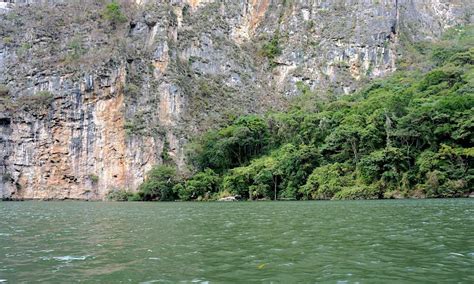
(407, 135)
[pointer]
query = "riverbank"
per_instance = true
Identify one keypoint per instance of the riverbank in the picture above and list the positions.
(392, 196)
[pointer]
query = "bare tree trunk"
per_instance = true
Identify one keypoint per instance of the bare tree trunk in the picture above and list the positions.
(275, 179)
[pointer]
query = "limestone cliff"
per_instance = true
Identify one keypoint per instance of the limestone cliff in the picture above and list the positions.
(87, 105)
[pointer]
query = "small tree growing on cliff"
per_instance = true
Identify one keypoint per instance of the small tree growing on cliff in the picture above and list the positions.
(114, 14)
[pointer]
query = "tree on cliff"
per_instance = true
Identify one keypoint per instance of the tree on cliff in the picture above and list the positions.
(114, 14)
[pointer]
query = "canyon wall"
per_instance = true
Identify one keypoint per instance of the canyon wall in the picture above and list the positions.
(88, 105)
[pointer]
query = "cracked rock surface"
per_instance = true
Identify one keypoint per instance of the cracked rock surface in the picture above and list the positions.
(87, 105)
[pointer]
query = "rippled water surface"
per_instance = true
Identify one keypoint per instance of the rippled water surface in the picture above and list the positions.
(344, 242)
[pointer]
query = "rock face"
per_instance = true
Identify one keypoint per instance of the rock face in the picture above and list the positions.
(88, 105)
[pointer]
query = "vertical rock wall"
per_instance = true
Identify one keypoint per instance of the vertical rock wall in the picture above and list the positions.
(93, 106)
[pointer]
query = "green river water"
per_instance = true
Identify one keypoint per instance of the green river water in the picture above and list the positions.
(281, 242)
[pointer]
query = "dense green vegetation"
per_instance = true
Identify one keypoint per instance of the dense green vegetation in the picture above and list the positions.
(407, 135)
